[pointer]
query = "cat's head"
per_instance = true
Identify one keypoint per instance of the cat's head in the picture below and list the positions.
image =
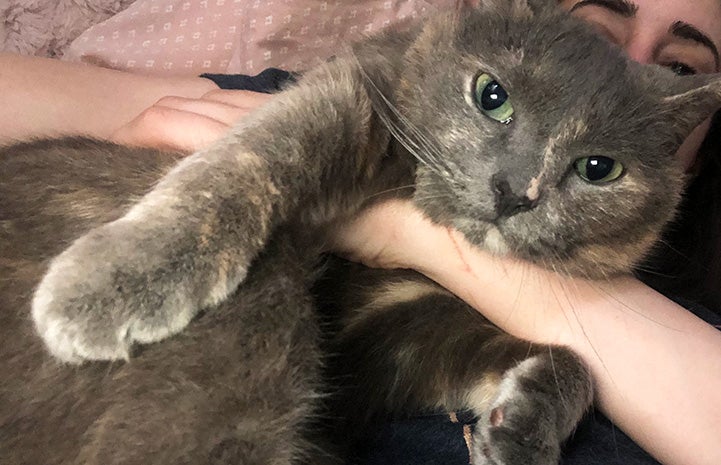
(539, 139)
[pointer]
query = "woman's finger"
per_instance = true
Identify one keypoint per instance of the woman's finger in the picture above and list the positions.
(189, 124)
(379, 235)
(220, 111)
(239, 98)
(172, 129)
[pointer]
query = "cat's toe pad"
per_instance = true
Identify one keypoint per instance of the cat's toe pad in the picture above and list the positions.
(504, 438)
(518, 427)
(496, 417)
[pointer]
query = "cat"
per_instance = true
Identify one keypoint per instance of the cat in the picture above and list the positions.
(489, 112)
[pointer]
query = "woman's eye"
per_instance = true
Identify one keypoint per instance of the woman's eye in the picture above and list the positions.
(682, 69)
(598, 170)
(492, 99)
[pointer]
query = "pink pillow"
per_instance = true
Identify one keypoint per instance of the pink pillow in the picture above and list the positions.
(189, 37)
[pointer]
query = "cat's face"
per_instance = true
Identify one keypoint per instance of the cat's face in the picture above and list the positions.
(543, 141)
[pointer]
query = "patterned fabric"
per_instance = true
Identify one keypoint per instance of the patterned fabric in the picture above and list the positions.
(47, 27)
(189, 37)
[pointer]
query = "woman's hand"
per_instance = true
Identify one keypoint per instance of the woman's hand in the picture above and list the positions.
(386, 235)
(189, 124)
(395, 234)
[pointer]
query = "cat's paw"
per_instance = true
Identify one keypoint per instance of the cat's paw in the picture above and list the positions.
(518, 428)
(116, 285)
(509, 437)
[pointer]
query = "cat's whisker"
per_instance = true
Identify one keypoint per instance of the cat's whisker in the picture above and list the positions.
(654, 272)
(561, 397)
(551, 265)
(454, 181)
(420, 146)
(433, 197)
(530, 349)
(517, 297)
(406, 142)
(569, 306)
(388, 191)
(624, 306)
(447, 196)
(424, 149)
(423, 140)
(673, 249)
(431, 148)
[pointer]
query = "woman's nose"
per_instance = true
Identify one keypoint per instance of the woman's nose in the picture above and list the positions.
(641, 48)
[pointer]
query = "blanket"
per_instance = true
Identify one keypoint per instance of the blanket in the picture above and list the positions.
(48, 27)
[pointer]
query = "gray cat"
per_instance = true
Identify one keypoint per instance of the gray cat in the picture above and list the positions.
(492, 115)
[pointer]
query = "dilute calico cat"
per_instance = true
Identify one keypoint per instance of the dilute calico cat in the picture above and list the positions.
(514, 124)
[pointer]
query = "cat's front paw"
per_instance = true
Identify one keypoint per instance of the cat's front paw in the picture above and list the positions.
(119, 284)
(519, 427)
(511, 435)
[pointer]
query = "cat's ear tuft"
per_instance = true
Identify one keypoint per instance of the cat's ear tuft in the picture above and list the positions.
(691, 100)
(703, 91)
(516, 9)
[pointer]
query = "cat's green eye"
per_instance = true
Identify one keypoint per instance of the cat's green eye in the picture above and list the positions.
(598, 170)
(492, 99)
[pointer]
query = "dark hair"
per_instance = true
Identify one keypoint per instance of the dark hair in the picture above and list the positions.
(688, 262)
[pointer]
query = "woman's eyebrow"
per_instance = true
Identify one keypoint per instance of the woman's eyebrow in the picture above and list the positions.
(689, 32)
(622, 7)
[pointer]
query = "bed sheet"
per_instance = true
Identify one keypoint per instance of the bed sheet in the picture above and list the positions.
(190, 37)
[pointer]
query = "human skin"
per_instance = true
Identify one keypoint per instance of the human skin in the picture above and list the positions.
(43, 97)
(656, 366)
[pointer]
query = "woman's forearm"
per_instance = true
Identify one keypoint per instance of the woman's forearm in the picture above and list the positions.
(657, 367)
(45, 97)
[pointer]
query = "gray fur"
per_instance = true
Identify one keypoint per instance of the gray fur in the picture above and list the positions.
(124, 282)
(237, 228)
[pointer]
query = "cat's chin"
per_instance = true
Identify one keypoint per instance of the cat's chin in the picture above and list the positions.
(484, 235)
(494, 241)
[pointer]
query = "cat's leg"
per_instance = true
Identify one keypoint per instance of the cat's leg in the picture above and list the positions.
(189, 242)
(537, 405)
(408, 346)
(235, 388)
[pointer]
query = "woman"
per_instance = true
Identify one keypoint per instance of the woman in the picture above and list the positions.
(657, 366)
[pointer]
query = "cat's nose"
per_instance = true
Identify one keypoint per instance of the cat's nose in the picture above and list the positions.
(508, 203)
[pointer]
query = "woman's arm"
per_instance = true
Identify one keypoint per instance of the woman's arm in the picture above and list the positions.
(657, 367)
(43, 97)
(46, 97)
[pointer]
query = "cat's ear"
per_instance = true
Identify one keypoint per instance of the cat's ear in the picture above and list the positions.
(519, 9)
(689, 100)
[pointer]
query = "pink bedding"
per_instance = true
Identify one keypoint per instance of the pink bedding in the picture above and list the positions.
(189, 37)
